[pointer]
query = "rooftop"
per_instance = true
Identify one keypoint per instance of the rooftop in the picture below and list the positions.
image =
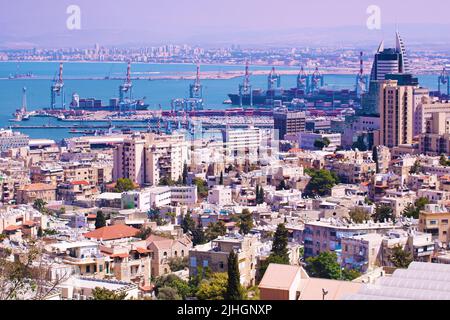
(117, 231)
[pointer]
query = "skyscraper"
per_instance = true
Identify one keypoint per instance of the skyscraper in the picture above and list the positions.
(396, 105)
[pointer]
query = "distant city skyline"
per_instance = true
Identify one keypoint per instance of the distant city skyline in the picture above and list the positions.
(288, 22)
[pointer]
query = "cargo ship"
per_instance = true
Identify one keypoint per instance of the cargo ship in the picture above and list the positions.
(92, 104)
(310, 90)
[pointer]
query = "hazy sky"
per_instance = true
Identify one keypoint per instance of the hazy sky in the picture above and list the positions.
(21, 20)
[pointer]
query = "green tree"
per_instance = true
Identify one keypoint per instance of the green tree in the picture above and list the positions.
(270, 259)
(383, 212)
(181, 287)
(104, 294)
(144, 233)
(215, 230)
(198, 235)
(168, 293)
(39, 205)
(259, 195)
(416, 168)
(166, 181)
(413, 210)
(178, 263)
(359, 215)
(321, 182)
(322, 143)
(185, 173)
(324, 265)
(350, 274)
(234, 289)
(443, 161)
(400, 258)
(202, 187)
(40, 233)
(100, 220)
(123, 185)
(188, 224)
(360, 144)
(214, 288)
(280, 243)
(245, 221)
(282, 185)
(221, 178)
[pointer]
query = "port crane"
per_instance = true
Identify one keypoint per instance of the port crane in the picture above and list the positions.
(126, 92)
(196, 88)
(246, 88)
(57, 91)
(316, 81)
(302, 80)
(444, 80)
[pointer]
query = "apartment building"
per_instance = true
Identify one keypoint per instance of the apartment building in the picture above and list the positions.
(435, 220)
(214, 255)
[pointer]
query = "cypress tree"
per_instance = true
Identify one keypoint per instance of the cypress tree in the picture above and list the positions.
(198, 235)
(185, 173)
(246, 221)
(375, 158)
(221, 178)
(280, 242)
(234, 290)
(100, 220)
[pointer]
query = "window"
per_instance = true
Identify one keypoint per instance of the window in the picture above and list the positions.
(193, 262)
(444, 221)
(205, 263)
(88, 269)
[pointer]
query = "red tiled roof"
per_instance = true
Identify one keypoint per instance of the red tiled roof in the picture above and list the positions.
(81, 182)
(38, 187)
(29, 223)
(119, 255)
(142, 250)
(117, 231)
(12, 228)
(91, 216)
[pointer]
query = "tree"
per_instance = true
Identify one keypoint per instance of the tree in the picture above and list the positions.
(443, 161)
(198, 235)
(185, 173)
(144, 233)
(321, 182)
(375, 158)
(214, 288)
(359, 215)
(123, 185)
(259, 195)
(202, 187)
(324, 265)
(270, 259)
(416, 168)
(100, 220)
(321, 143)
(245, 221)
(168, 293)
(221, 178)
(400, 258)
(350, 274)
(280, 242)
(234, 289)
(181, 288)
(40, 233)
(188, 224)
(360, 144)
(39, 205)
(413, 210)
(215, 230)
(105, 294)
(383, 212)
(26, 275)
(178, 263)
(282, 185)
(166, 181)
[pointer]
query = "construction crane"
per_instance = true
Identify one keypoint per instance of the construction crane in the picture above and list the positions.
(245, 88)
(274, 80)
(126, 91)
(57, 91)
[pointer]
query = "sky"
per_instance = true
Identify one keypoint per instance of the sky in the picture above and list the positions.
(151, 21)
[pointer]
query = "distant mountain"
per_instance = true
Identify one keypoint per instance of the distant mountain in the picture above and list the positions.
(416, 36)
